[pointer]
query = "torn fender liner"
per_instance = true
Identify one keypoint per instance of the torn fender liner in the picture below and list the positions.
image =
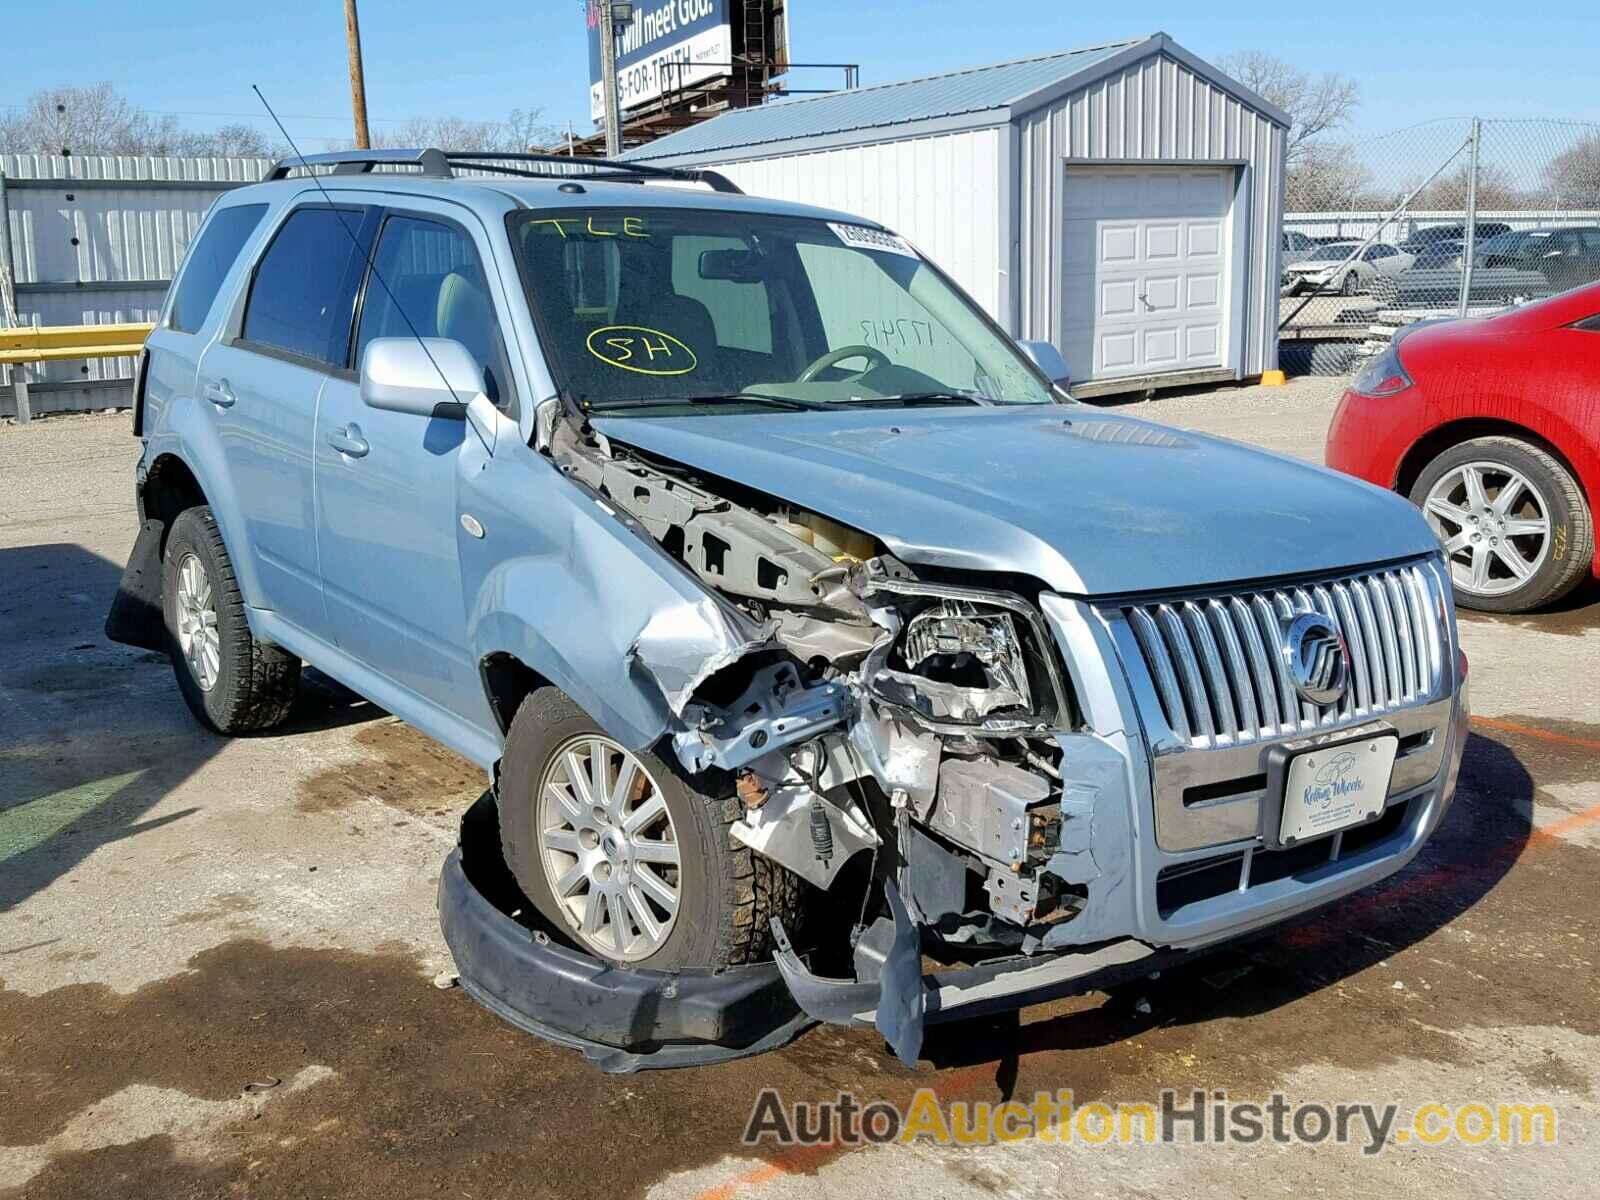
(998, 985)
(622, 1019)
(683, 646)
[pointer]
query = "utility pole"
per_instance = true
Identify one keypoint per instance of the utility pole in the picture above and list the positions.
(358, 83)
(608, 76)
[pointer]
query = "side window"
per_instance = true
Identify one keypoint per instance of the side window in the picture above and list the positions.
(207, 264)
(427, 279)
(303, 295)
(739, 311)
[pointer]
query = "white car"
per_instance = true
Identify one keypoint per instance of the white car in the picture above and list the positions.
(1297, 247)
(1329, 270)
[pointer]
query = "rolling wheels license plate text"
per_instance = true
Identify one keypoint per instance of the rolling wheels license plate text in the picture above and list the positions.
(1329, 786)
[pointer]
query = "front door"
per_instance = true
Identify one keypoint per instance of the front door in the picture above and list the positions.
(387, 512)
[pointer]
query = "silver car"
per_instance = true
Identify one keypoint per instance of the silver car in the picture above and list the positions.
(770, 580)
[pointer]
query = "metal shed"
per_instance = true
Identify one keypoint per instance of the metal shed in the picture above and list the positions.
(1123, 201)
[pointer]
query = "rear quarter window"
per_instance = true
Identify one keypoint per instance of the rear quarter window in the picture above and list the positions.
(208, 263)
(302, 298)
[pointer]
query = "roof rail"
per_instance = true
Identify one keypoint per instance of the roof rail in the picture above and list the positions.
(437, 164)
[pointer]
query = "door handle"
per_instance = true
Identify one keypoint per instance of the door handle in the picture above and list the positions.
(220, 394)
(349, 440)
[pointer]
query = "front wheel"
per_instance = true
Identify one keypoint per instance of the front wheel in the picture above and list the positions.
(628, 858)
(1513, 522)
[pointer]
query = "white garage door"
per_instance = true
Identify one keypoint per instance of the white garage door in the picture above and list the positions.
(1146, 259)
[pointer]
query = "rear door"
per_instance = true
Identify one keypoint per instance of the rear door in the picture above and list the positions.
(192, 314)
(264, 383)
(387, 513)
(1147, 264)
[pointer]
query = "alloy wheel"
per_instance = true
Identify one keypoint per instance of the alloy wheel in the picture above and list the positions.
(1494, 526)
(198, 637)
(609, 849)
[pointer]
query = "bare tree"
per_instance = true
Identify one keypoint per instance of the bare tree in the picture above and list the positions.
(1572, 177)
(518, 132)
(1497, 188)
(1329, 177)
(97, 120)
(1316, 104)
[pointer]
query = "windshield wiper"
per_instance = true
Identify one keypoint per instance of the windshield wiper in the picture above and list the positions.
(757, 398)
(910, 399)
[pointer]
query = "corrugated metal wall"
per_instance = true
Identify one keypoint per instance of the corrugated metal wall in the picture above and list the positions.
(94, 240)
(907, 186)
(1155, 110)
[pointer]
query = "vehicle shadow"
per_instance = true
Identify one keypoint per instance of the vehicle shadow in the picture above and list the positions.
(1480, 839)
(94, 735)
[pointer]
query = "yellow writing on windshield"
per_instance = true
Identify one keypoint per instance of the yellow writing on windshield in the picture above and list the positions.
(642, 350)
(626, 226)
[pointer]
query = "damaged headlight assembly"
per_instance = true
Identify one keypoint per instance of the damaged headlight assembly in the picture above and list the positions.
(966, 660)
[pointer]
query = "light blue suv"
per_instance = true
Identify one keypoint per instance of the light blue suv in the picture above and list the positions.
(770, 580)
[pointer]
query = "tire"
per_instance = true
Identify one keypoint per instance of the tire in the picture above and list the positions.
(247, 685)
(1558, 561)
(1347, 286)
(726, 893)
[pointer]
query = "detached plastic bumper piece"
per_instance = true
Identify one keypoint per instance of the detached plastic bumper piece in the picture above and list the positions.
(621, 1019)
(902, 1001)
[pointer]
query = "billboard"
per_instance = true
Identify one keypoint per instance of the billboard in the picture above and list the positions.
(670, 43)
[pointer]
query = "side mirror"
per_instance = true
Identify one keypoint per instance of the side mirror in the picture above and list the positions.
(1048, 359)
(427, 377)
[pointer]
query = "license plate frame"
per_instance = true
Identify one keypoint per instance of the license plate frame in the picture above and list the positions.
(1307, 796)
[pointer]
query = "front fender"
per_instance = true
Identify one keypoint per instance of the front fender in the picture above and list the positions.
(583, 596)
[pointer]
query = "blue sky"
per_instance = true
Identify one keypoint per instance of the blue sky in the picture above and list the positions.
(478, 59)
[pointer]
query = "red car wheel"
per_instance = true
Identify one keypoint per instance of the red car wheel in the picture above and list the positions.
(1512, 520)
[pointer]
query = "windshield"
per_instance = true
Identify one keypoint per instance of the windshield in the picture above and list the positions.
(1506, 243)
(667, 307)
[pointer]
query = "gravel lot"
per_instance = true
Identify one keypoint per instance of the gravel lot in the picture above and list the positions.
(216, 957)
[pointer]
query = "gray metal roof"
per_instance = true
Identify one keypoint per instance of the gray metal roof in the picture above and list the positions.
(1001, 89)
(978, 89)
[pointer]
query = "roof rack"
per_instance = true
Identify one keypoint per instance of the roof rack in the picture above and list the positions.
(439, 164)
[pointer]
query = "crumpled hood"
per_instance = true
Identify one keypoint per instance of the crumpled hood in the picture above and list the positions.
(1091, 504)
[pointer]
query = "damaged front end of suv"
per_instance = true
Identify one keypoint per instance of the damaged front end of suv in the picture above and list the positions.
(915, 723)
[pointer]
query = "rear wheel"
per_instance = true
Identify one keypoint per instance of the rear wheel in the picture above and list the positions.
(231, 681)
(1513, 522)
(625, 856)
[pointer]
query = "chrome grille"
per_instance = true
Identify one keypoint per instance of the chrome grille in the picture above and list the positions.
(1221, 677)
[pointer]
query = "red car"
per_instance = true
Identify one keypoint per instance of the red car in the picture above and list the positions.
(1492, 428)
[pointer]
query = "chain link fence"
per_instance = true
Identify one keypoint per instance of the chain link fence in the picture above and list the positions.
(1452, 217)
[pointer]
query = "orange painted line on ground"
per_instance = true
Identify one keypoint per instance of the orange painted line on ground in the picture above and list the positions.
(1556, 829)
(1544, 735)
(796, 1160)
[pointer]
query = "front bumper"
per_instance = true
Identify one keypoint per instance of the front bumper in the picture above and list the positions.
(1148, 905)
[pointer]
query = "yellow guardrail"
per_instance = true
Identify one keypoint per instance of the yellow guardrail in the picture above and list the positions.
(50, 343)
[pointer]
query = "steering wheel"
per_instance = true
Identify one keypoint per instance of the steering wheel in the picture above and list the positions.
(875, 359)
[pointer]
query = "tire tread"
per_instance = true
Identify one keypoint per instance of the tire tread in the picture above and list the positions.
(259, 690)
